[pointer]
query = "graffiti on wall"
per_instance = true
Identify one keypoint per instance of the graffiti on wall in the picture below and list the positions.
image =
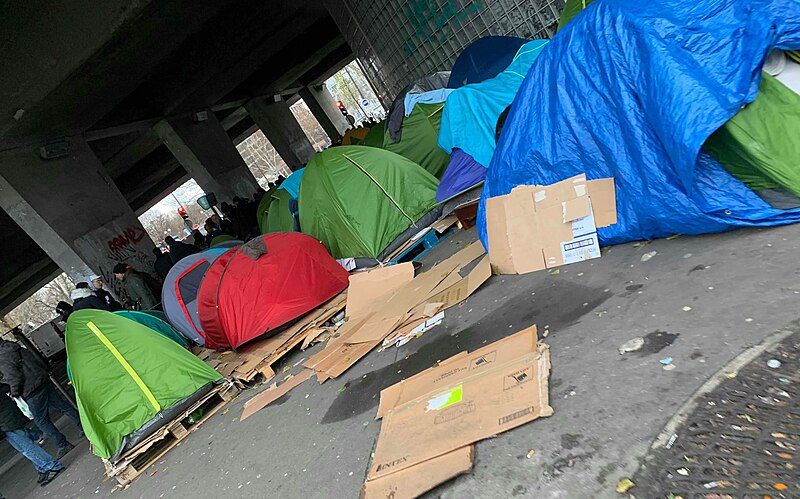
(116, 243)
(122, 246)
(430, 24)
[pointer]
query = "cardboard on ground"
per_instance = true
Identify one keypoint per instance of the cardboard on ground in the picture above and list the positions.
(407, 305)
(462, 400)
(415, 481)
(366, 287)
(538, 227)
(263, 399)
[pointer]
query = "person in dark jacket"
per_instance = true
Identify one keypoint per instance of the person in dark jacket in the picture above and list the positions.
(163, 262)
(83, 298)
(27, 378)
(212, 230)
(199, 240)
(179, 250)
(14, 425)
(97, 285)
(63, 309)
(141, 294)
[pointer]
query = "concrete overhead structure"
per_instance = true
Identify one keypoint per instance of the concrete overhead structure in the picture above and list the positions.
(73, 210)
(275, 119)
(202, 146)
(148, 94)
(323, 106)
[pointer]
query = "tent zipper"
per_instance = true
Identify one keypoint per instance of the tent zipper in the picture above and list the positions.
(379, 187)
(133, 374)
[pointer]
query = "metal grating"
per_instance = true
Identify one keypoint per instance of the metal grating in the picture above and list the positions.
(741, 442)
(399, 41)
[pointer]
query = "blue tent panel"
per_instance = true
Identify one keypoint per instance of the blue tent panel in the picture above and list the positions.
(485, 58)
(156, 323)
(292, 183)
(431, 97)
(462, 173)
(632, 90)
(469, 119)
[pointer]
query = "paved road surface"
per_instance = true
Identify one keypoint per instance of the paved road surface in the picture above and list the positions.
(700, 300)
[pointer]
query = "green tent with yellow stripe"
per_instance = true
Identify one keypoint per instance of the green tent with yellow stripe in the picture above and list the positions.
(125, 375)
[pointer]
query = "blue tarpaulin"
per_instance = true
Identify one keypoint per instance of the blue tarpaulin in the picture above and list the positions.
(631, 90)
(469, 118)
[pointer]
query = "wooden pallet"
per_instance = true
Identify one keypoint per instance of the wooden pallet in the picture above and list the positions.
(135, 461)
(424, 241)
(258, 357)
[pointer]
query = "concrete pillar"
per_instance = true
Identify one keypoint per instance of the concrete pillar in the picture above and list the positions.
(323, 106)
(208, 155)
(74, 212)
(279, 125)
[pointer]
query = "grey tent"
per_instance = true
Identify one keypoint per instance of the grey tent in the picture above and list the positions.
(179, 294)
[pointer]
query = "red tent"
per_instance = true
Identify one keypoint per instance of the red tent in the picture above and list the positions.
(253, 289)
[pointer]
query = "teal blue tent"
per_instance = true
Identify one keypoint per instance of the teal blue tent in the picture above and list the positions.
(469, 118)
(157, 321)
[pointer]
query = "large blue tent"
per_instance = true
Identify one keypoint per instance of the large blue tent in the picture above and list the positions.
(484, 58)
(470, 114)
(632, 90)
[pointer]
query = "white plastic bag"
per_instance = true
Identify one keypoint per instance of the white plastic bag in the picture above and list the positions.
(23, 406)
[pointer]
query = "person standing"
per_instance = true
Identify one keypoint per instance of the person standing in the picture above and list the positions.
(163, 262)
(178, 250)
(28, 379)
(14, 425)
(84, 298)
(141, 296)
(212, 230)
(97, 284)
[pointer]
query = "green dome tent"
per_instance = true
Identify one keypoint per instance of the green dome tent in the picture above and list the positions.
(571, 9)
(759, 144)
(375, 135)
(275, 216)
(125, 374)
(420, 139)
(358, 199)
(263, 208)
(155, 320)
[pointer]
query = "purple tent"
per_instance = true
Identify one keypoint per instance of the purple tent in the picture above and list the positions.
(462, 173)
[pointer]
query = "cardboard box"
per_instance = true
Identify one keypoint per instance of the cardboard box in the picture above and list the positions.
(539, 227)
(408, 304)
(415, 481)
(462, 400)
(368, 287)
